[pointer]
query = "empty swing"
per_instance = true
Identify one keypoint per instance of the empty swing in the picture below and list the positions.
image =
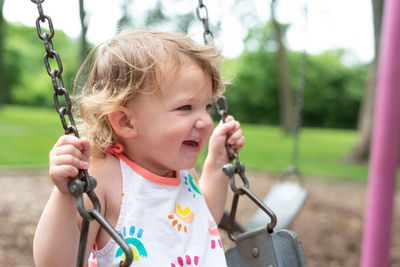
(287, 197)
(261, 246)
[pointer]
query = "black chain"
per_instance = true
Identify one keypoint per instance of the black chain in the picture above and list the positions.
(300, 99)
(202, 14)
(223, 112)
(55, 74)
(235, 166)
(293, 169)
(83, 183)
(298, 112)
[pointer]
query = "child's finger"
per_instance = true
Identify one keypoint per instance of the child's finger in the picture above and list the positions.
(66, 145)
(240, 143)
(69, 140)
(86, 147)
(69, 150)
(235, 136)
(229, 118)
(226, 128)
(67, 159)
(60, 175)
(68, 171)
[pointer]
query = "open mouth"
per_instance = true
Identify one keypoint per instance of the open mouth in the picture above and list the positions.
(192, 143)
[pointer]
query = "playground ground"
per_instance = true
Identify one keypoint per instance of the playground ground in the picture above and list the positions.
(330, 224)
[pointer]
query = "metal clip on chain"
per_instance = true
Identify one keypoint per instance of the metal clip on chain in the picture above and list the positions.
(83, 183)
(235, 166)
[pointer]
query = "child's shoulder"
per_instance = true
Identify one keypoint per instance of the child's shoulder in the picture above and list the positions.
(107, 172)
(109, 164)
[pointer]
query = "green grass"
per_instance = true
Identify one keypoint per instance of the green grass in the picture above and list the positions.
(320, 151)
(27, 134)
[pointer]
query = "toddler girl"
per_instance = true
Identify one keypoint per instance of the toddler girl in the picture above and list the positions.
(145, 115)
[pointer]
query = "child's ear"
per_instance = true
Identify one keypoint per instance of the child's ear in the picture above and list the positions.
(123, 123)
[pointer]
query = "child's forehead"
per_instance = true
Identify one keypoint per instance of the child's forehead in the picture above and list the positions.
(174, 63)
(174, 71)
(184, 81)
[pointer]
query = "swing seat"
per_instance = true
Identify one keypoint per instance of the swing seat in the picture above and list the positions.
(261, 248)
(285, 199)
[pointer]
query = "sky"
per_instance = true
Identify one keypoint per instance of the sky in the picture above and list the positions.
(328, 24)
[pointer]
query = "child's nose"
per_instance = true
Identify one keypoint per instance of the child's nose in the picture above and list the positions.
(204, 121)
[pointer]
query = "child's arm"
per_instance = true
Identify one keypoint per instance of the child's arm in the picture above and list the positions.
(56, 238)
(213, 182)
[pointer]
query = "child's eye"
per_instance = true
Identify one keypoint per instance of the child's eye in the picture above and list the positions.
(185, 107)
(209, 107)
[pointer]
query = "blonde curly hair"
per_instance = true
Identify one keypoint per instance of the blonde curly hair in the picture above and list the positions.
(129, 64)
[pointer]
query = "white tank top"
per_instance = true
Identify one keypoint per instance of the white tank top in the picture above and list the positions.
(165, 221)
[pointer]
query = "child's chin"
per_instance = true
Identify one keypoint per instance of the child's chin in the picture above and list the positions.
(188, 165)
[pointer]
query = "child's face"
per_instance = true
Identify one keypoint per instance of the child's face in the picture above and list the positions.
(174, 125)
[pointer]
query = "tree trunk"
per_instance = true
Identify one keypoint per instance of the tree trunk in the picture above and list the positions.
(286, 108)
(360, 153)
(84, 44)
(3, 88)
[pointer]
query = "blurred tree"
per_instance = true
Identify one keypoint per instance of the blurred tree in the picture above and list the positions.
(3, 88)
(253, 95)
(185, 21)
(361, 150)
(84, 49)
(156, 15)
(286, 106)
(126, 20)
(333, 93)
(26, 77)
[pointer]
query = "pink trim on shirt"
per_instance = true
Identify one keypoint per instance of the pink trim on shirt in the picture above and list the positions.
(171, 181)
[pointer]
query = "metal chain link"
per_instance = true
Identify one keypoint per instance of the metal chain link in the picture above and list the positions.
(235, 166)
(59, 90)
(300, 98)
(293, 169)
(83, 183)
(202, 15)
(55, 74)
(299, 107)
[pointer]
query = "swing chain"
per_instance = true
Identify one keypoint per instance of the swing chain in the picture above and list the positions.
(235, 166)
(223, 112)
(86, 183)
(293, 169)
(83, 183)
(55, 74)
(299, 107)
(202, 15)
